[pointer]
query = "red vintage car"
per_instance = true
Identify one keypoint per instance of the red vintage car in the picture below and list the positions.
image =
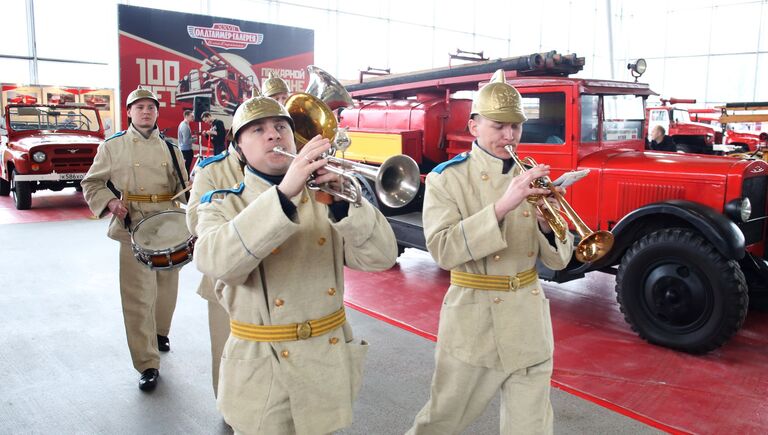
(48, 147)
(23, 99)
(690, 230)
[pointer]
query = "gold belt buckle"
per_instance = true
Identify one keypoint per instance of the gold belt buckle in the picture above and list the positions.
(153, 197)
(514, 282)
(304, 330)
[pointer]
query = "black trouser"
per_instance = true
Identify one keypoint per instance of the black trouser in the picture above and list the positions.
(188, 156)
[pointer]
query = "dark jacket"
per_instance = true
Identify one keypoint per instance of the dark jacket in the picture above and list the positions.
(666, 144)
(218, 139)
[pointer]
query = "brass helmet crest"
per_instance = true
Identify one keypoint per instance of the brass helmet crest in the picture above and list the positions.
(499, 101)
(139, 94)
(256, 108)
(275, 85)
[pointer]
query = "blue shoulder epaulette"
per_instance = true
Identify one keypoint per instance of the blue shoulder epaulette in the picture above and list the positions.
(458, 159)
(209, 195)
(118, 134)
(217, 158)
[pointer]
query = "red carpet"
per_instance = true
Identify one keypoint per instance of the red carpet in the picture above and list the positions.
(597, 356)
(47, 206)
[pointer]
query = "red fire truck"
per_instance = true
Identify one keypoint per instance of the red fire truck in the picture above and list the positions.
(689, 230)
(690, 136)
(744, 141)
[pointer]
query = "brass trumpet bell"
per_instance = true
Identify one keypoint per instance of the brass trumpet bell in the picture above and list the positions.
(311, 116)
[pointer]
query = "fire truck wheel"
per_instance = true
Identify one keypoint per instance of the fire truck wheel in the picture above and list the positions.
(22, 192)
(676, 290)
(5, 187)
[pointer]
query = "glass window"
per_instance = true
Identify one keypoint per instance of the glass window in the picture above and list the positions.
(623, 117)
(546, 118)
(679, 115)
(13, 32)
(62, 30)
(417, 55)
(736, 28)
(77, 74)
(659, 115)
(731, 78)
(589, 120)
(416, 12)
(52, 118)
(367, 39)
(14, 70)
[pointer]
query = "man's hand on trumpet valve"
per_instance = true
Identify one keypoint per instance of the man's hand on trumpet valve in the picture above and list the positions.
(555, 205)
(306, 163)
(519, 189)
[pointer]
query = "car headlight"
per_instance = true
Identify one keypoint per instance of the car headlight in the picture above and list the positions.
(39, 157)
(739, 209)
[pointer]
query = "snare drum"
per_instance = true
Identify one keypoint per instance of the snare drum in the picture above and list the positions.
(162, 241)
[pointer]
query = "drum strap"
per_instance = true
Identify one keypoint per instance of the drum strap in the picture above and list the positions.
(177, 168)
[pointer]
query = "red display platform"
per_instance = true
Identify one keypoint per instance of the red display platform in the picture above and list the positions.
(597, 356)
(46, 207)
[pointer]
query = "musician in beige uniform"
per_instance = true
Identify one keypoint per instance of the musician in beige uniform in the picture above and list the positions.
(276, 88)
(138, 163)
(291, 364)
(221, 171)
(495, 330)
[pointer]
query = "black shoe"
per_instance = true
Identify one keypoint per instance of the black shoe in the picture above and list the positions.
(148, 379)
(163, 343)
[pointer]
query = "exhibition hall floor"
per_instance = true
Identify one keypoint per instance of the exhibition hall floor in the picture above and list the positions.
(66, 352)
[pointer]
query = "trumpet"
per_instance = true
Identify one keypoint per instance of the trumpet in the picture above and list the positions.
(593, 245)
(396, 180)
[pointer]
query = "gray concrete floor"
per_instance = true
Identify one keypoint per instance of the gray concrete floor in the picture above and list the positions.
(66, 367)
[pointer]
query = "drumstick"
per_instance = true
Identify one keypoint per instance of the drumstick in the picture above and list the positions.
(186, 189)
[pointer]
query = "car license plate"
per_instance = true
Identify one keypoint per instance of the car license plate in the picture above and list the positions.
(79, 176)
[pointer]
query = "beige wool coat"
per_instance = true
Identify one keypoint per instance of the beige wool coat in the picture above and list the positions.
(218, 172)
(136, 166)
(277, 271)
(500, 330)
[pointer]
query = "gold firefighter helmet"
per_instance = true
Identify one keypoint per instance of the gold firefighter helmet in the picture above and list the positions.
(275, 85)
(258, 108)
(499, 101)
(139, 94)
(498, 77)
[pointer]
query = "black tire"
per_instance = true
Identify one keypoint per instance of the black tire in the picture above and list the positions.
(5, 187)
(676, 290)
(22, 192)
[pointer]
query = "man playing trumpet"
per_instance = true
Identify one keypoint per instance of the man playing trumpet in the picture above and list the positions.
(495, 329)
(290, 364)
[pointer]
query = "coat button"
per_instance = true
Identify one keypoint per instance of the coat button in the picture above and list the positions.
(279, 302)
(276, 251)
(304, 199)
(484, 176)
(530, 253)
(333, 340)
(496, 300)
(535, 291)
(321, 241)
(136, 164)
(285, 353)
(331, 291)
(526, 213)
(496, 257)
(135, 140)
(164, 164)
(141, 188)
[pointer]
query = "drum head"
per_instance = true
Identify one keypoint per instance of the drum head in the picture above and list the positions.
(161, 231)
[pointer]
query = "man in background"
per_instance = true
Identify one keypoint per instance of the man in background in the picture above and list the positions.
(185, 138)
(217, 133)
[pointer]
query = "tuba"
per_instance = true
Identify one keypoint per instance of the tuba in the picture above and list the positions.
(397, 180)
(593, 245)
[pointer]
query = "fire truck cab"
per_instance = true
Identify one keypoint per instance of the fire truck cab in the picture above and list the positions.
(689, 230)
